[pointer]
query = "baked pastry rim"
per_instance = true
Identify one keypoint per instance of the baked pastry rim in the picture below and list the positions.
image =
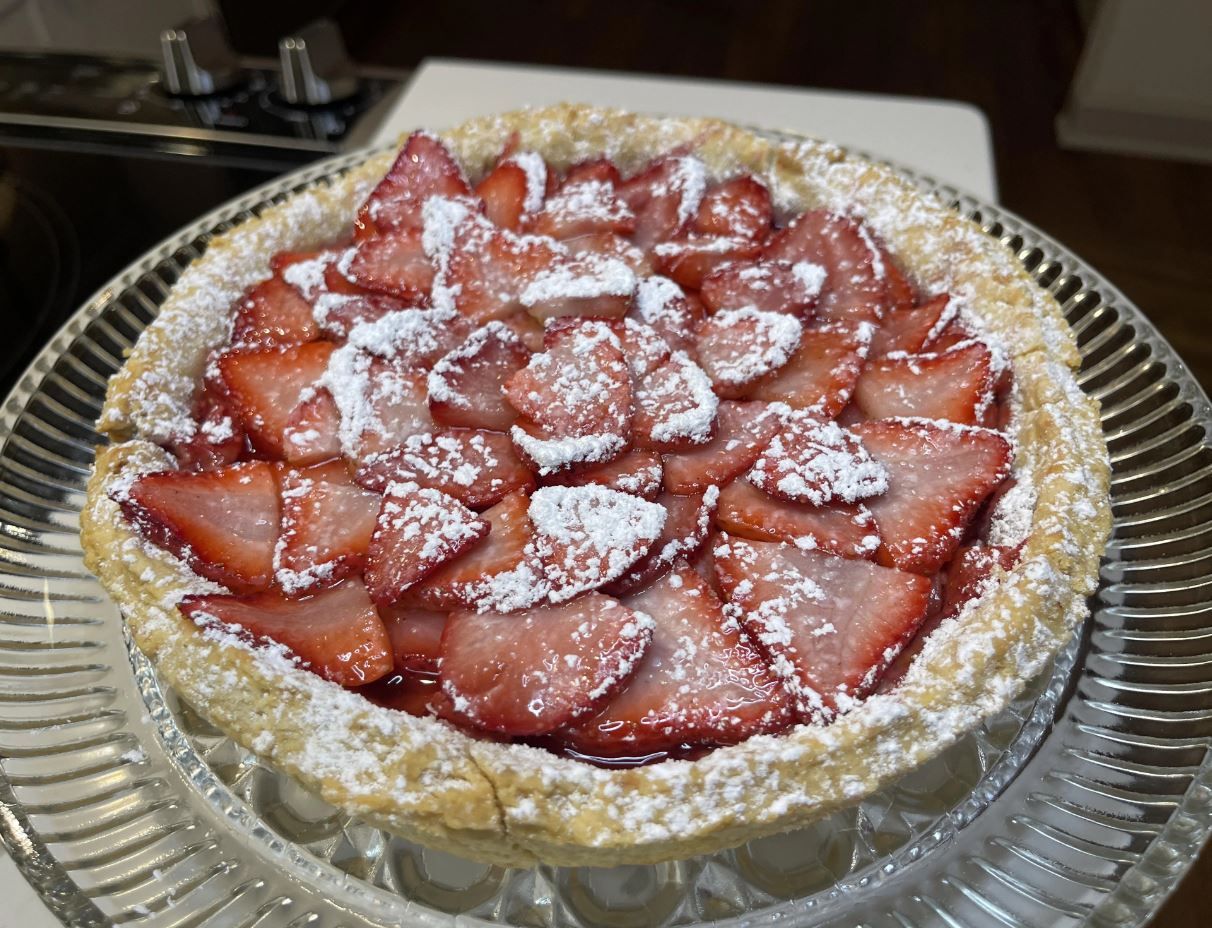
(514, 805)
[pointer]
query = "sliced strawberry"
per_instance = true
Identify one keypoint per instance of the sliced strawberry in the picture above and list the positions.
(901, 295)
(501, 574)
(416, 637)
(327, 522)
(766, 285)
(854, 290)
(844, 529)
(580, 386)
(588, 536)
(394, 264)
(417, 531)
(816, 462)
(743, 431)
(687, 524)
(670, 312)
(413, 339)
(477, 468)
(953, 334)
(465, 385)
(910, 330)
(381, 405)
(336, 633)
(612, 245)
(587, 284)
(969, 571)
(318, 260)
(675, 408)
(821, 375)
(487, 268)
(273, 313)
(424, 168)
(737, 347)
(583, 205)
(956, 385)
(312, 431)
(829, 624)
(636, 471)
(338, 314)
(223, 523)
(599, 169)
(548, 453)
(265, 385)
(664, 196)
(737, 208)
(700, 681)
(218, 437)
(689, 259)
(509, 191)
(938, 476)
(530, 673)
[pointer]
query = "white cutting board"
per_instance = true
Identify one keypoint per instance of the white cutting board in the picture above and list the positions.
(945, 139)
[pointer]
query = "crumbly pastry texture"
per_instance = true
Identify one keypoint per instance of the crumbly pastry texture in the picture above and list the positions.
(515, 805)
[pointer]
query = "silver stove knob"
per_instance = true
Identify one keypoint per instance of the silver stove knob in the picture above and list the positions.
(197, 60)
(315, 66)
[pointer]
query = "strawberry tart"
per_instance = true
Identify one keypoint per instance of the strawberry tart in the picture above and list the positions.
(587, 488)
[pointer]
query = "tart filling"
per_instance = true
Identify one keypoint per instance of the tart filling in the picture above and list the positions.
(626, 465)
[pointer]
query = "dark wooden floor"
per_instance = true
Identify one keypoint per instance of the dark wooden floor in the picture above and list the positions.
(1143, 222)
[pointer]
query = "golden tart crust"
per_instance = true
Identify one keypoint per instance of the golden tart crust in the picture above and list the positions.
(516, 805)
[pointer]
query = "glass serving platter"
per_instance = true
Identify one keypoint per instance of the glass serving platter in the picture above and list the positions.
(1081, 804)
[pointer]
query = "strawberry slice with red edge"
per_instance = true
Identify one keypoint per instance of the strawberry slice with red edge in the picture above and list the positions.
(738, 347)
(700, 681)
(528, 330)
(312, 431)
(588, 536)
(911, 330)
(611, 245)
(465, 385)
(956, 385)
(218, 437)
(477, 468)
(417, 531)
(500, 574)
(512, 189)
(424, 168)
(273, 313)
(530, 673)
(394, 264)
(854, 290)
(580, 386)
(487, 269)
(844, 529)
(585, 203)
(382, 405)
(766, 285)
(814, 461)
(687, 524)
(820, 377)
(327, 523)
(939, 474)
(587, 284)
(673, 314)
(675, 407)
(636, 471)
(265, 385)
(223, 523)
(743, 431)
(665, 196)
(416, 637)
(830, 625)
(737, 208)
(336, 633)
(902, 294)
(690, 258)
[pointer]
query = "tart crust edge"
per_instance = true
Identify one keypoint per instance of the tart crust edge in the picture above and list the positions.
(513, 805)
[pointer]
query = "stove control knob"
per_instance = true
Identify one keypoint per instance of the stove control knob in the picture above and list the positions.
(196, 59)
(315, 66)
